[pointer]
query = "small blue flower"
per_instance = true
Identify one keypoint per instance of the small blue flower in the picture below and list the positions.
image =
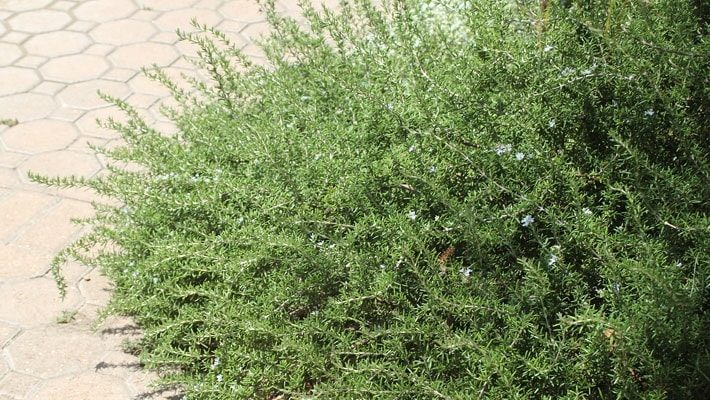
(527, 220)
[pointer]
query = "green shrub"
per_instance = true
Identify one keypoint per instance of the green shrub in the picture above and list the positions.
(487, 200)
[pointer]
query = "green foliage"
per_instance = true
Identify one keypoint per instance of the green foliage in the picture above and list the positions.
(487, 200)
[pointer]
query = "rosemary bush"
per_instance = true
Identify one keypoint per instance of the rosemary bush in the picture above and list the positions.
(422, 200)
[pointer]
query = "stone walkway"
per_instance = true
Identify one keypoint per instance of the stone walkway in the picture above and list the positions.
(54, 56)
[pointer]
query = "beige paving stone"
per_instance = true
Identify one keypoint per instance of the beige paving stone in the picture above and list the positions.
(85, 95)
(31, 61)
(119, 364)
(18, 261)
(121, 32)
(16, 80)
(54, 230)
(58, 43)
(33, 303)
(104, 10)
(242, 10)
(144, 85)
(75, 68)
(209, 4)
(81, 26)
(17, 385)
(55, 350)
(82, 387)
(19, 208)
(83, 143)
(61, 163)
(120, 74)
(67, 114)
(63, 5)
(26, 106)
(137, 55)
(7, 333)
(142, 101)
(8, 179)
(39, 136)
(9, 53)
(47, 87)
(163, 5)
(73, 272)
(96, 288)
(13, 37)
(99, 49)
(89, 126)
(39, 21)
(10, 159)
(24, 5)
(181, 19)
(145, 15)
(165, 37)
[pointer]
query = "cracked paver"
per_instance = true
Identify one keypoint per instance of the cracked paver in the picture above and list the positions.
(54, 57)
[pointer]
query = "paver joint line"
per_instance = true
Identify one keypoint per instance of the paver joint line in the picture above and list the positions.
(54, 56)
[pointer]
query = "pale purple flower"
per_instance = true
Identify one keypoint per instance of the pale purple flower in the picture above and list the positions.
(466, 271)
(527, 220)
(503, 148)
(412, 215)
(519, 156)
(649, 112)
(552, 124)
(219, 377)
(552, 260)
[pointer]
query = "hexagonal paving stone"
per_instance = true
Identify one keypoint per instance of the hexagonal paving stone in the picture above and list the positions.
(163, 5)
(181, 19)
(34, 302)
(17, 385)
(96, 288)
(85, 95)
(56, 44)
(143, 85)
(76, 68)
(88, 124)
(137, 55)
(24, 5)
(122, 32)
(84, 386)
(19, 208)
(105, 10)
(61, 163)
(39, 21)
(22, 262)
(243, 10)
(26, 106)
(55, 350)
(9, 53)
(39, 136)
(7, 332)
(16, 80)
(52, 231)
